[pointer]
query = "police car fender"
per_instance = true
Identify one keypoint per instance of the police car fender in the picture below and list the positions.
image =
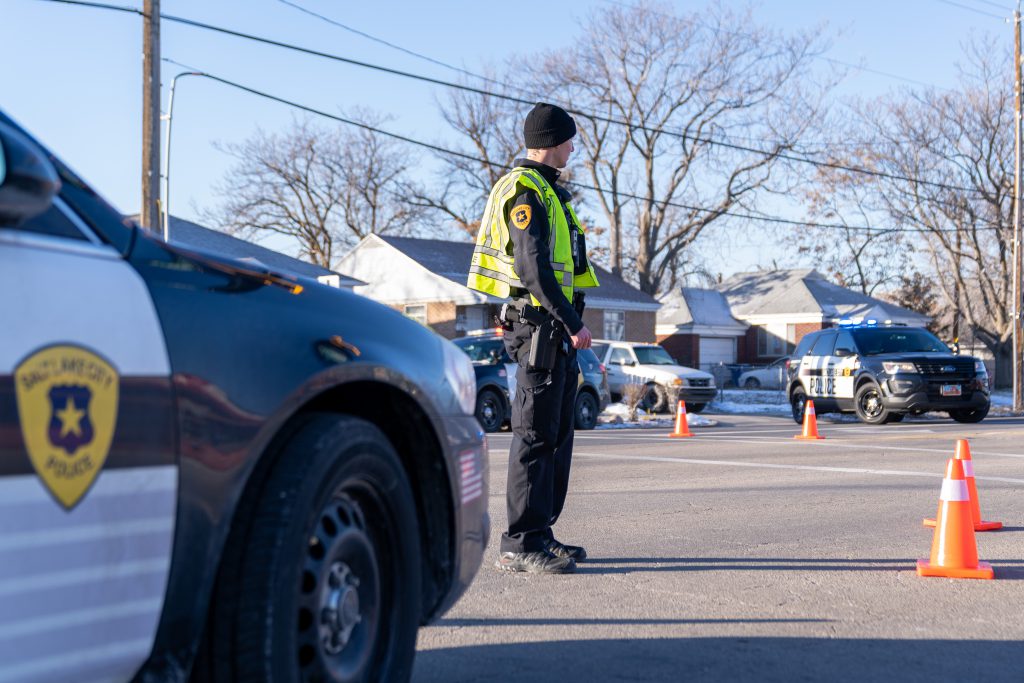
(88, 485)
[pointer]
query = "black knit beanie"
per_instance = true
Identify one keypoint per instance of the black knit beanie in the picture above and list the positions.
(547, 125)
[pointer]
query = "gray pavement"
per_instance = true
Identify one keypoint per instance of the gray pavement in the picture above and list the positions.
(742, 554)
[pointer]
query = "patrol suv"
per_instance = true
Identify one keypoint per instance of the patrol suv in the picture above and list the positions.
(884, 372)
(209, 469)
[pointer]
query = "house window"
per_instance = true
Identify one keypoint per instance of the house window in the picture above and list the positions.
(775, 340)
(615, 325)
(417, 313)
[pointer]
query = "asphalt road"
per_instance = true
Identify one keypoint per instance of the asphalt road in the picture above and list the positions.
(742, 554)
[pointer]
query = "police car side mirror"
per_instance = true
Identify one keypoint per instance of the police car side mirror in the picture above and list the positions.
(844, 352)
(28, 181)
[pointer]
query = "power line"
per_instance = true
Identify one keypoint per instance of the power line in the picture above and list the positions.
(519, 100)
(381, 41)
(469, 157)
(971, 9)
(715, 29)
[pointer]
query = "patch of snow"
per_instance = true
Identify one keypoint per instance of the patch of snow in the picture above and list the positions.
(616, 416)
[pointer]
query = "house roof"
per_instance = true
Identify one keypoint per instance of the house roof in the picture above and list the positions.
(194, 236)
(692, 309)
(450, 260)
(805, 292)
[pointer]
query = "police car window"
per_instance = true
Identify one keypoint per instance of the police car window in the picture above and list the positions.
(878, 340)
(845, 341)
(55, 223)
(804, 346)
(823, 345)
(480, 351)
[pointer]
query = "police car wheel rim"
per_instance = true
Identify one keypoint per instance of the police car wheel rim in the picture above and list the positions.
(871, 403)
(489, 411)
(340, 592)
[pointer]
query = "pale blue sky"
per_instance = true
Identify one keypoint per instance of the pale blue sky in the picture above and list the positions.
(72, 75)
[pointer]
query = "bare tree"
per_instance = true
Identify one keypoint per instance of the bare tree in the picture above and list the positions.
(491, 128)
(865, 251)
(325, 188)
(955, 149)
(685, 85)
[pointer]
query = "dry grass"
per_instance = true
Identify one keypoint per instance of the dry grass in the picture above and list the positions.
(632, 394)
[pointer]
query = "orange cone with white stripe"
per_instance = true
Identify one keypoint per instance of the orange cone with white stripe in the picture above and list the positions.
(963, 453)
(682, 427)
(954, 550)
(810, 423)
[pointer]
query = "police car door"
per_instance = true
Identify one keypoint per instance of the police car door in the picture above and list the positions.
(88, 475)
(844, 364)
(815, 367)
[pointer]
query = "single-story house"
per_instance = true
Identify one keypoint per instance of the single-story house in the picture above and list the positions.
(697, 328)
(194, 236)
(778, 307)
(426, 280)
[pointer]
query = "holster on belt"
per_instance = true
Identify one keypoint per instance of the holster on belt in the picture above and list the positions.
(547, 336)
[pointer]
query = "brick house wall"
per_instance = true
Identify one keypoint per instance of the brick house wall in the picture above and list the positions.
(685, 348)
(639, 324)
(440, 317)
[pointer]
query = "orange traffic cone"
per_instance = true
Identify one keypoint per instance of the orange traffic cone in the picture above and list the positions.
(954, 551)
(682, 427)
(810, 423)
(963, 453)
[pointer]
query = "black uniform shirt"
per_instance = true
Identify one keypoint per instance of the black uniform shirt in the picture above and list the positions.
(528, 225)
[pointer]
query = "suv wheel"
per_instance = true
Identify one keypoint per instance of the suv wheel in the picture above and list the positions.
(655, 399)
(969, 416)
(798, 401)
(868, 404)
(490, 410)
(586, 410)
(321, 578)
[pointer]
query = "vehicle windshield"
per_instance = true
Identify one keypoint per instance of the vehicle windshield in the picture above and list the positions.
(874, 341)
(483, 351)
(653, 355)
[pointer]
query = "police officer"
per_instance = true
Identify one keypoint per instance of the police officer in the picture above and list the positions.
(531, 248)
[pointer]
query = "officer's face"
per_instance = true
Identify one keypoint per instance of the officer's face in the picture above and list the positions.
(562, 153)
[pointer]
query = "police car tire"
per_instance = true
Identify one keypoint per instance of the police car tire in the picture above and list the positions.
(333, 463)
(969, 416)
(488, 398)
(882, 417)
(799, 396)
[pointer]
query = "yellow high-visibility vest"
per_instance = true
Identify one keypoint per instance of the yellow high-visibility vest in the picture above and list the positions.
(492, 269)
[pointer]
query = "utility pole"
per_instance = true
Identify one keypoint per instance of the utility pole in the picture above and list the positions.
(149, 214)
(1018, 330)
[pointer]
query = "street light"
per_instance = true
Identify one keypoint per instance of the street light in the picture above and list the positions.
(167, 153)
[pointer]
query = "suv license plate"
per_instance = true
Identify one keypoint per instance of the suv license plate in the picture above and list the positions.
(950, 390)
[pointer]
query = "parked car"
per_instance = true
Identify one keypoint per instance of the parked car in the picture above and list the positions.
(650, 365)
(496, 377)
(772, 376)
(884, 372)
(211, 469)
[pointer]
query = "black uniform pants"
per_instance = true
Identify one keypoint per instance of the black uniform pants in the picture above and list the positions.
(543, 419)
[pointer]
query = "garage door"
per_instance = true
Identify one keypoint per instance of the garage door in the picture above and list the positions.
(715, 350)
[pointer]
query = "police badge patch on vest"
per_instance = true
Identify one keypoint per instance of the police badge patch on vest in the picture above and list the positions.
(521, 216)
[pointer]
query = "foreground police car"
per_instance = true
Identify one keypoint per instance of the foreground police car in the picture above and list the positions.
(213, 471)
(884, 372)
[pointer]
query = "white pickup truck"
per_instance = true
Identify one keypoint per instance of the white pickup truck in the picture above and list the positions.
(650, 365)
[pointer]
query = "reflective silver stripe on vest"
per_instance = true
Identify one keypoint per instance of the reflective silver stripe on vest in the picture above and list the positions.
(497, 253)
(494, 275)
(542, 182)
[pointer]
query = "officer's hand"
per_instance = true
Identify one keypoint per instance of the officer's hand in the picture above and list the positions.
(582, 339)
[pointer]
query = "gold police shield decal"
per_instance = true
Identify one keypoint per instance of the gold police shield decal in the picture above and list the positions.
(67, 405)
(521, 215)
